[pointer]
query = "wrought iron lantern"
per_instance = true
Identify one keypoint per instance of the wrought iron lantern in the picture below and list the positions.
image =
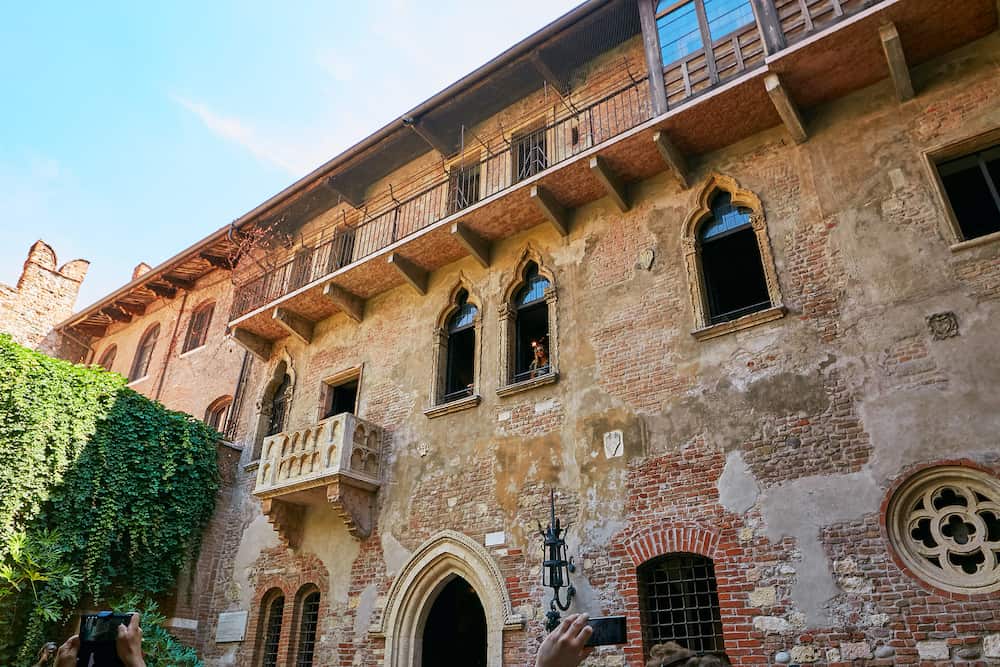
(556, 567)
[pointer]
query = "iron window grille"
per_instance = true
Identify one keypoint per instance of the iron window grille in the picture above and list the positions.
(530, 154)
(464, 187)
(307, 630)
(279, 406)
(272, 633)
(972, 186)
(198, 328)
(679, 602)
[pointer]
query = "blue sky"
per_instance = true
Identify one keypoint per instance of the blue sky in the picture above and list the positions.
(130, 130)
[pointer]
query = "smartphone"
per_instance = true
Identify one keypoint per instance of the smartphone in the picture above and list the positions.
(607, 630)
(98, 633)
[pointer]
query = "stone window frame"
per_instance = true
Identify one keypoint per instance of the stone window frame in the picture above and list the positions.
(904, 490)
(337, 379)
(439, 355)
(429, 569)
(700, 211)
(151, 332)
(942, 153)
(295, 627)
(106, 363)
(507, 313)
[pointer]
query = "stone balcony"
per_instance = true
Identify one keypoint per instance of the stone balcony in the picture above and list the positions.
(335, 462)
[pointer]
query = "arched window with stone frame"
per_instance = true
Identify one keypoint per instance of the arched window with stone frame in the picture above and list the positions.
(529, 341)
(270, 621)
(217, 411)
(729, 261)
(197, 333)
(108, 358)
(679, 602)
(305, 625)
(457, 350)
(144, 353)
(274, 404)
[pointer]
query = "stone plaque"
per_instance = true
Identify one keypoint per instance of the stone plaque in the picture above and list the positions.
(614, 444)
(232, 626)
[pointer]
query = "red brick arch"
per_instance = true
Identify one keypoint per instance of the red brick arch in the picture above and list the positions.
(662, 540)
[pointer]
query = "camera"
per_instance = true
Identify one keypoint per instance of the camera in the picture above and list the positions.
(98, 633)
(607, 630)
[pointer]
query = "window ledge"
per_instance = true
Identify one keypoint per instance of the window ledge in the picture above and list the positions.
(531, 383)
(252, 466)
(191, 351)
(976, 242)
(740, 323)
(137, 381)
(453, 406)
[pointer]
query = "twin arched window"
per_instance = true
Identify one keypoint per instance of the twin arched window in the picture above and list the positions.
(144, 353)
(272, 622)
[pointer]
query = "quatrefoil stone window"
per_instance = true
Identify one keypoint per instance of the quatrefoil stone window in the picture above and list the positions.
(945, 525)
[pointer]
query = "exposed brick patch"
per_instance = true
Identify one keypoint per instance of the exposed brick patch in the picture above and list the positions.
(816, 277)
(907, 363)
(948, 114)
(612, 259)
(829, 442)
(530, 419)
(981, 276)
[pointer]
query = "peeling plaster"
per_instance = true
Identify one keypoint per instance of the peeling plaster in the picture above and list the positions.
(738, 488)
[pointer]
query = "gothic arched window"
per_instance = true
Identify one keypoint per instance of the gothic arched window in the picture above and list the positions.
(279, 406)
(144, 353)
(460, 369)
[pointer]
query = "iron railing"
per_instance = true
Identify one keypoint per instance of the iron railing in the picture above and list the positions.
(526, 155)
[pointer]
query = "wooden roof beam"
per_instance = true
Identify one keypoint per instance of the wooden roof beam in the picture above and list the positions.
(216, 261)
(609, 180)
(164, 291)
(546, 72)
(179, 283)
(786, 108)
(894, 55)
(673, 158)
(413, 274)
(352, 305)
(132, 308)
(91, 330)
(254, 344)
(423, 130)
(553, 211)
(295, 324)
(477, 246)
(116, 314)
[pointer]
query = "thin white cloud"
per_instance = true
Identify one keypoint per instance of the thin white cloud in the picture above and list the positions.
(241, 133)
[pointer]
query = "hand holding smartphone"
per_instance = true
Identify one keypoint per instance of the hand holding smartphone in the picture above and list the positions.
(98, 637)
(607, 630)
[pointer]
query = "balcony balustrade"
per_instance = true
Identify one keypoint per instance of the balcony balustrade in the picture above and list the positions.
(336, 461)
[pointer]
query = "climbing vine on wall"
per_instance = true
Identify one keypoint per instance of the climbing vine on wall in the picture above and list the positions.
(102, 492)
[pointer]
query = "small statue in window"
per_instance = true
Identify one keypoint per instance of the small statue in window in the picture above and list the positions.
(540, 361)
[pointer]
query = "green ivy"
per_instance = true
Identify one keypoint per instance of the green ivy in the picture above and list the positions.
(102, 491)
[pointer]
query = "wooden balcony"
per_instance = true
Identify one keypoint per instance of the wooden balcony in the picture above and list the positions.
(335, 462)
(815, 51)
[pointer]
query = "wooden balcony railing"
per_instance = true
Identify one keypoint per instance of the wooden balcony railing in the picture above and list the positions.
(336, 461)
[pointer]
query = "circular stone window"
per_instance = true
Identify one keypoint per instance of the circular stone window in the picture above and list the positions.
(945, 525)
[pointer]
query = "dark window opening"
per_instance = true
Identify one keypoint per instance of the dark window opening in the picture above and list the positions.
(464, 187)
(531, 354)
(108, 358)
(272, 632)
(198, 328)
(456, 626)
(731, 264)
(144, 353)
(216, 414)
(972, 185)
(341, 398)
(279, 406)
(679, 602)
(307, 630)
(301, 269)
(530, 155)
(460, 367)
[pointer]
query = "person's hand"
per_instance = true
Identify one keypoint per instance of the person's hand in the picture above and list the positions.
(564, 647)
(66, 655)
(129, 643)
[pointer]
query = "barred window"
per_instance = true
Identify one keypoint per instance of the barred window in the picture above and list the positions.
(279, 405)
(679, 602)
(197, 331)
(307, 630)
(530, 154)
(272, 631)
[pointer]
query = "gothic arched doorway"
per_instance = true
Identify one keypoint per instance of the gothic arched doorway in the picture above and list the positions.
(455, 630)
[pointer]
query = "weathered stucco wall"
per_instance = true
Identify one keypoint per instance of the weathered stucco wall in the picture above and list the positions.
(770, 449)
